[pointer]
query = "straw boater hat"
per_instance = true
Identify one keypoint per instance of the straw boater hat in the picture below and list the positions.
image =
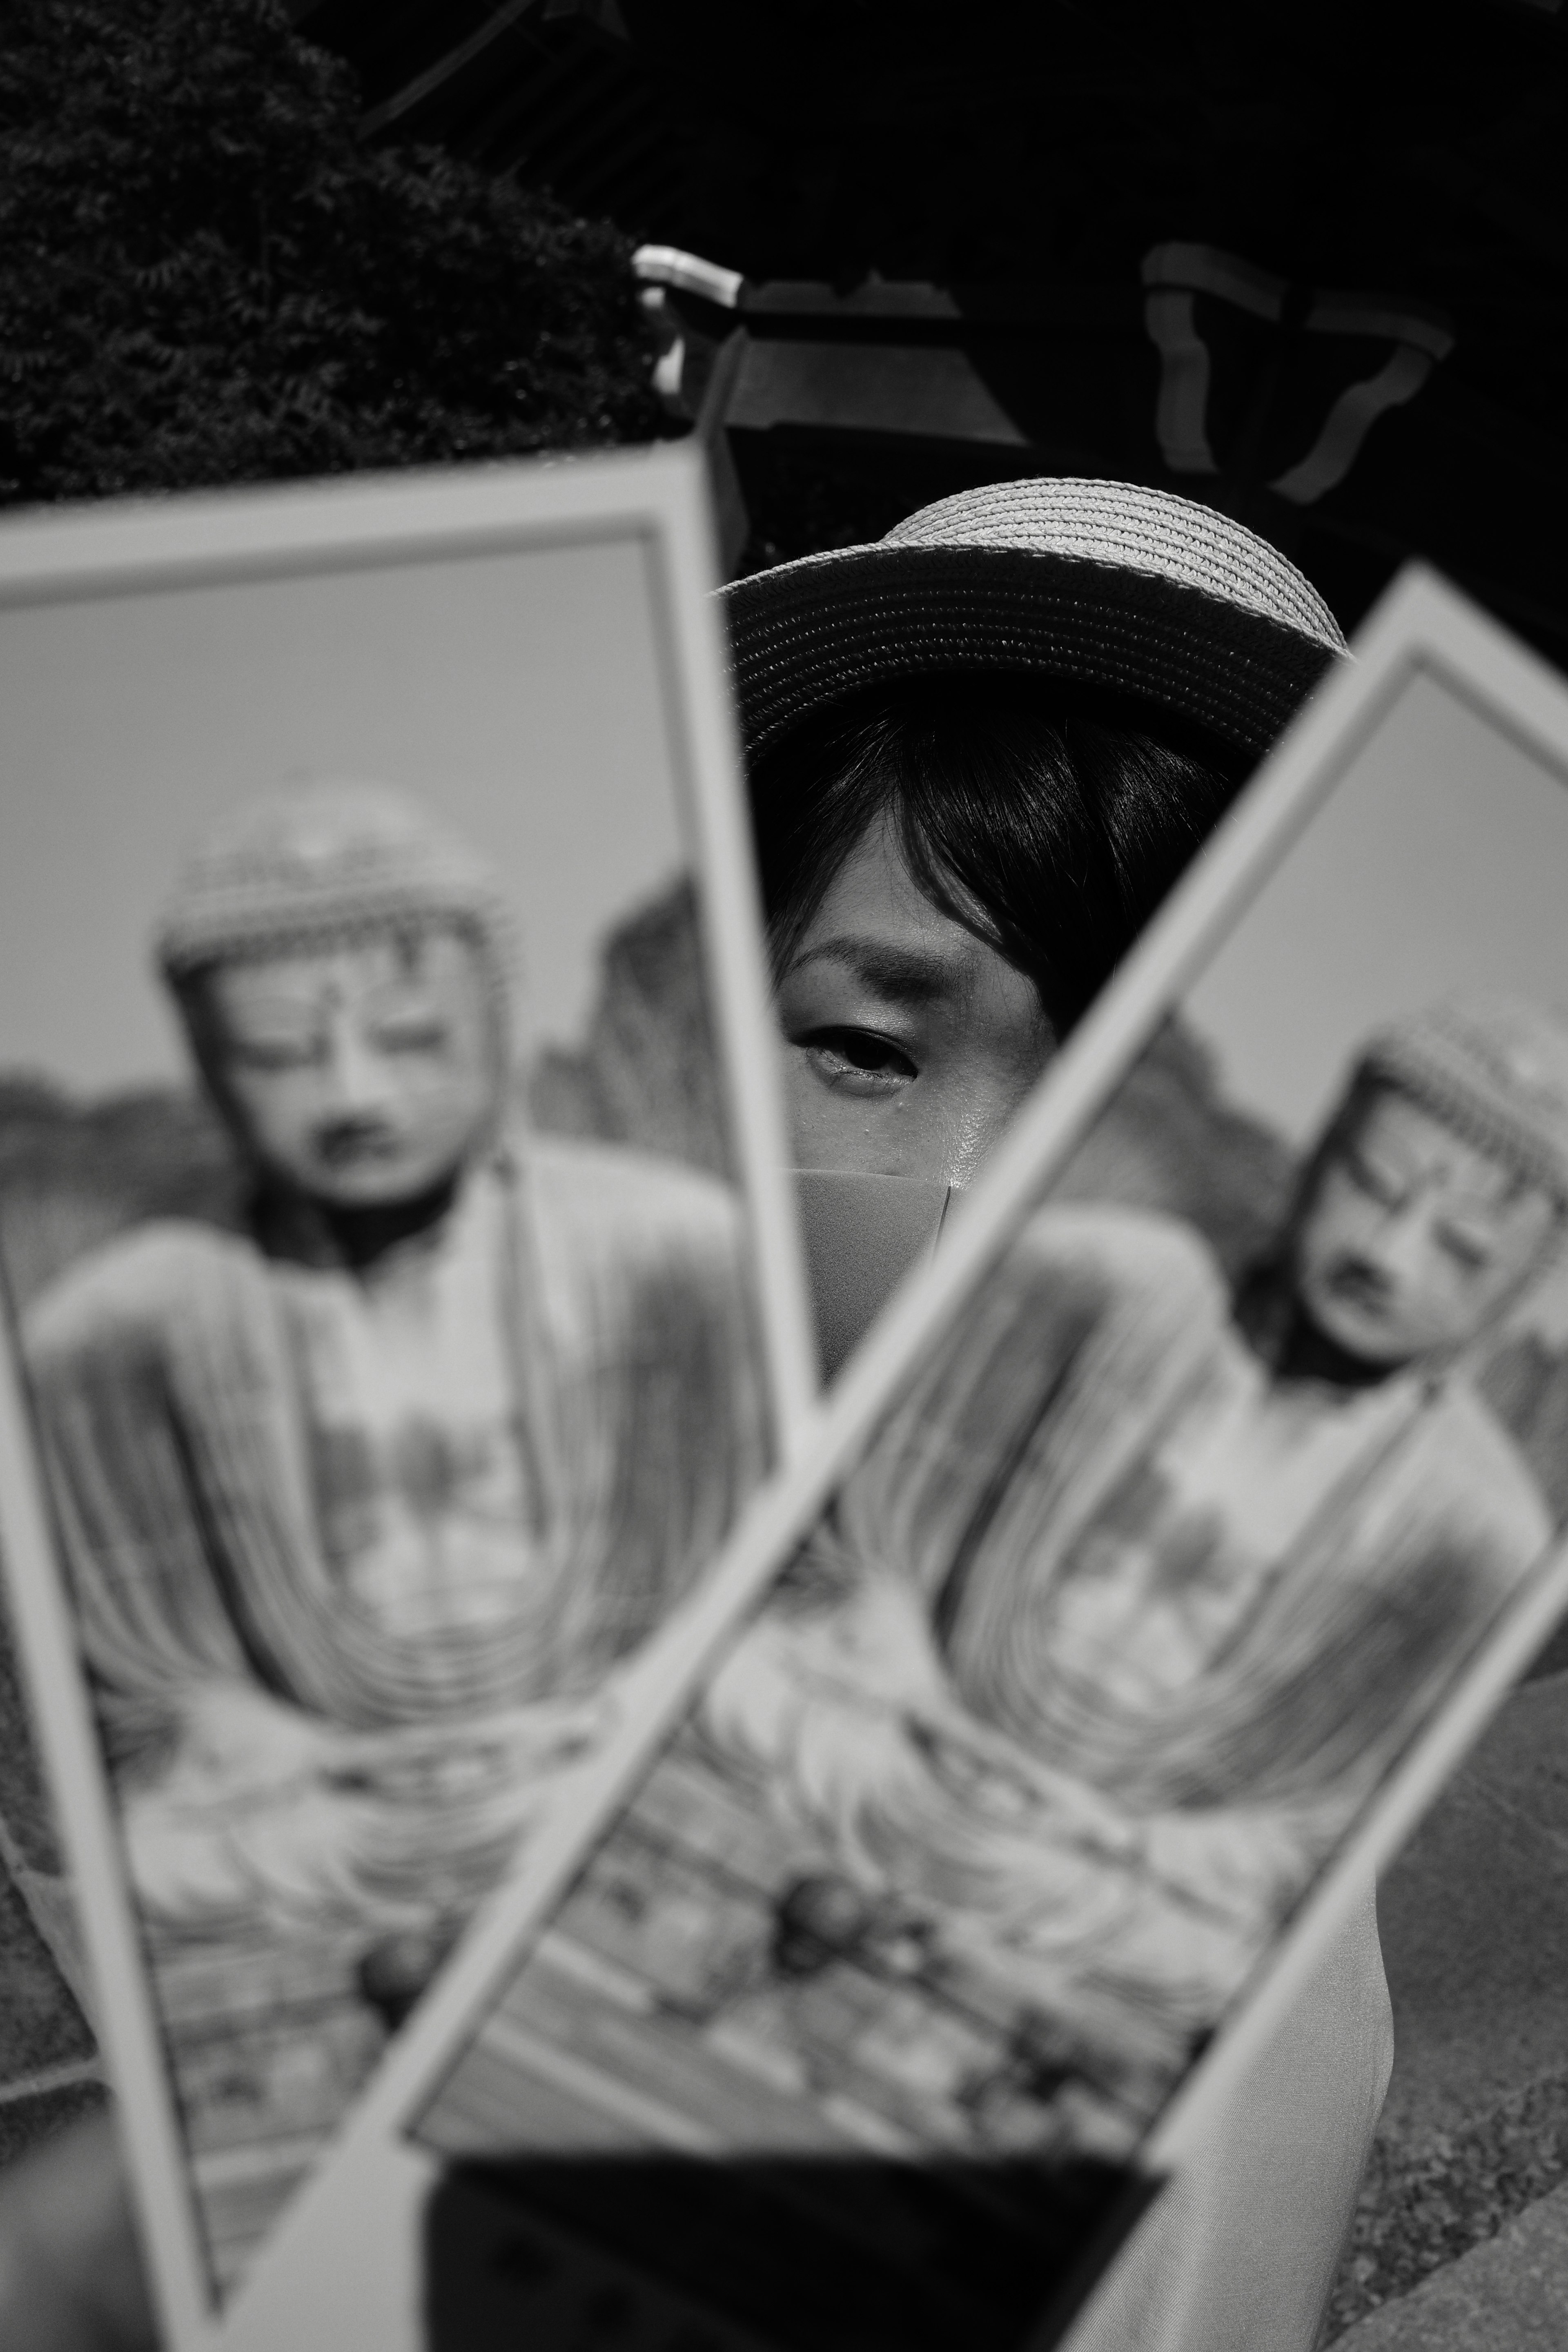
(1100, 583)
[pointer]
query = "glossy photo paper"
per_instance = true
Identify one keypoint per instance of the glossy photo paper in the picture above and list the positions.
(388, 1136)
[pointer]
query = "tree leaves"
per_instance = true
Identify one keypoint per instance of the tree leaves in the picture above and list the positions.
(207, 276)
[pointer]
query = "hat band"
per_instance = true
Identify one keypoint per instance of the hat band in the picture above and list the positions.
(881, 613)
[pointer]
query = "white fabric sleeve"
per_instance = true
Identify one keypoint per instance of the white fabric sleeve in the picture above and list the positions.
(1240, 2252)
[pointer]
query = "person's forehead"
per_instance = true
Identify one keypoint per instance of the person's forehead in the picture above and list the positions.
(875, 921)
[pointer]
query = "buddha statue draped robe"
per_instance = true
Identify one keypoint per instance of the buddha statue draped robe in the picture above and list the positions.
(1096, 1654)
(202, 1491)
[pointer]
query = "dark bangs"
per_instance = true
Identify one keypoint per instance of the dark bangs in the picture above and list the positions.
(1048, 822)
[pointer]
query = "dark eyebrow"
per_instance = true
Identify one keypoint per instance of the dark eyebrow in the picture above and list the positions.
(906, 975)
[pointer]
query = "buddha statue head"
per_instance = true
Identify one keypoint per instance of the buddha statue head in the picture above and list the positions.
(342, 964)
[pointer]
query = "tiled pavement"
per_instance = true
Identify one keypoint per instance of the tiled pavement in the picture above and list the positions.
(1465, 2207)
(1508, 2295)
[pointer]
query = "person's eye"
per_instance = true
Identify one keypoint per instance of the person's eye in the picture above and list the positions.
(857, 1061)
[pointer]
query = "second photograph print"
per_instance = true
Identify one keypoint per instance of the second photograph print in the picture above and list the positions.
(980, 752)
(1139, 1596)
(375, 1214)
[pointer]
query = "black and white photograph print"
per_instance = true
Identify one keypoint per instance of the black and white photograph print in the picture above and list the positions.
(1146, 1583)
(372, 1216)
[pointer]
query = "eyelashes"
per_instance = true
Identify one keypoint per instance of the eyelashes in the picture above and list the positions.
(857, 1061)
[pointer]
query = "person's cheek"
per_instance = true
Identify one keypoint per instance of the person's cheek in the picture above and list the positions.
(979, 1099)
(804, 1103)
(973, 1126)
(897, 1134)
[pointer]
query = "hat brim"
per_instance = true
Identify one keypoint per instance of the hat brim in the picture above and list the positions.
(808, 634)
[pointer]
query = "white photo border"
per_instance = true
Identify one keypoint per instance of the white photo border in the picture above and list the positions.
(657, 499)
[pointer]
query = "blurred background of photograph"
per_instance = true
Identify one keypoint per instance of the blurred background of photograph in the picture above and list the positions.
(947, 244)
(681, 1904)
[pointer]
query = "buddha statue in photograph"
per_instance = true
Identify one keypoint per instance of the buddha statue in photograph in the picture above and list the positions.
(360, 1507)
(1145, 1582)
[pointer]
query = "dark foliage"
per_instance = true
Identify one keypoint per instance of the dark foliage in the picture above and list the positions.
(206, 276)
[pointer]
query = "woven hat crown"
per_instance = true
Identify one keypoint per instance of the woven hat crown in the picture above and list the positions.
(1493, 1068)
(322, 862)
(1098, 584)
(1130, 528)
